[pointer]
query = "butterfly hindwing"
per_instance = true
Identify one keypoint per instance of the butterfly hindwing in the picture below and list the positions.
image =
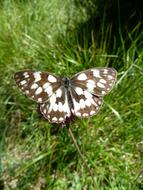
(85, 104)
(38, 86)
(98, 81)
(57, 109)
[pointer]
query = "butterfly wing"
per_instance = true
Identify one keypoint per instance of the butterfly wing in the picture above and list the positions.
(87, 89)
(38, 86)
(98, 81)
(85, 104)
(57, 108)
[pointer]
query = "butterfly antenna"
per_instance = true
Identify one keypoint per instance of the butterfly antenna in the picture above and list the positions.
(82, 157)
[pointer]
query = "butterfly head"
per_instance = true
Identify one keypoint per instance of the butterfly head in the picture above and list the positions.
(66, 81)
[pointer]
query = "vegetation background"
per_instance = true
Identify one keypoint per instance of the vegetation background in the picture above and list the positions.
(65, 37)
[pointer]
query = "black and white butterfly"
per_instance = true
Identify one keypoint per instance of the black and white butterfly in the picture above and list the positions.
(60, 99)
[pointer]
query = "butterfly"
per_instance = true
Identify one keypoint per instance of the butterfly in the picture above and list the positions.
(62, 98)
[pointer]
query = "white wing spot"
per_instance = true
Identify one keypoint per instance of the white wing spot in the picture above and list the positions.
(44, 111)
(79, 90)
(87, 94)
(52, 99)
(92, 112)
(99, 102)
(90, 86)
(82, 103)
(52, 79)
(82, 76)
(26, 75)
(54, 119)
(55, 107)
(91, 82)
(66, 106)
(103, 81)
(23, 82)
(110, 77)
(46, 85)
(27, 92)
(110, 84)
(100, 85)
(96, 73)
(105, 71)
(34, 86)
(78, 114)
(103, 92)
(37, 76)
(49, 90)
(59, 93)
(60, 107)
(76, 105)
(39, 99)
(38, 91)
(61, 119)
(85, 114)
(88, 102)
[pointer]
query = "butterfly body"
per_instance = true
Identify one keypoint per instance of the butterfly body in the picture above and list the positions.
(59, 98)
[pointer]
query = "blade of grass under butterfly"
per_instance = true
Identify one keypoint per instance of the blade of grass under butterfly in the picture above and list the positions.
(82, 157)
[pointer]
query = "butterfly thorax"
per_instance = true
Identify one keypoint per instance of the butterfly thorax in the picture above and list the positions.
(66, 81)
(67, 85)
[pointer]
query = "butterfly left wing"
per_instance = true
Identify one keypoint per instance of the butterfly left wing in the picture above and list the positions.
(57, 108)
(38, 86)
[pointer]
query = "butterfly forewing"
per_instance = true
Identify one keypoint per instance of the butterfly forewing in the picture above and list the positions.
(98, 81)
(38, 86)
(57, 108)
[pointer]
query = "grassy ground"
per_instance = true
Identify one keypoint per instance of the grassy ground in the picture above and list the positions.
(42, 35)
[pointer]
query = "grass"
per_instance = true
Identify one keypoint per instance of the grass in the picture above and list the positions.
(45, 35)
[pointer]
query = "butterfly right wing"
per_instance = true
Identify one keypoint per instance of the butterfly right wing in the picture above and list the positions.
(87, 89)
(38, 86)
(98, 81)
(57, 108)
(85, 104)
